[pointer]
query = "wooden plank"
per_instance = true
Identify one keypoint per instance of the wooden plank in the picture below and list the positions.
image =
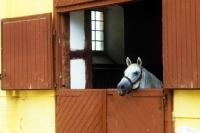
(70, 2)
(169, 44)
(65, 51)
(194, 45)
(184, 45)
(168, 104)
(32, 54)
(12, 52)
(20, 53)
(24, 54)
(5, 59)
(189, 57)
(165, 42)
(173, 45)
(29, 54)
(179, 52)
(91, 4)
(37, 53)
(197, 4)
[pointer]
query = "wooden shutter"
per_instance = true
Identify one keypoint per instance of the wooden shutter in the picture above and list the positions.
(181, 39)
(27, 52)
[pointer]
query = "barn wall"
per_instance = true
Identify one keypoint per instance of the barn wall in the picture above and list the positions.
(26, 111)
(3, 104)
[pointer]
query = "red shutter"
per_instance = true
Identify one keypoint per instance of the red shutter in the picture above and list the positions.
(27, 52)
(181, 39)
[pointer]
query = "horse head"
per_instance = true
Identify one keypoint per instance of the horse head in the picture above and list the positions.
(132, 76)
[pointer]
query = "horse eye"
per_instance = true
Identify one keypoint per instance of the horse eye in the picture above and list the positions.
(135, 73)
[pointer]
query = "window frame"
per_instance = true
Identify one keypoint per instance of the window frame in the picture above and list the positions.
(99, 52)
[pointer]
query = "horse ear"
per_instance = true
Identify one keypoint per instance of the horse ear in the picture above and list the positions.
(139, 61)
(128, 61)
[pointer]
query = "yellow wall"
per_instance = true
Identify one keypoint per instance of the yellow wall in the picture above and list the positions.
(16, 8)
(26, 111)
(187, 109)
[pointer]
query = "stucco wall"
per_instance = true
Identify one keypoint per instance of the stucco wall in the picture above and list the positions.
(187, 111)
(31, 111)
(3, 128)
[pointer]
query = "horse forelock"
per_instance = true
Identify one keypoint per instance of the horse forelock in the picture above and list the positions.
(132, 68)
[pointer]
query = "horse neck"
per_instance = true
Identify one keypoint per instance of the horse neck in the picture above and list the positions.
(148, 80)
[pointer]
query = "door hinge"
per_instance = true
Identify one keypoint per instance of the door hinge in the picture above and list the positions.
(55, 85)
(54, 34)
(165, 101)
(3, 75)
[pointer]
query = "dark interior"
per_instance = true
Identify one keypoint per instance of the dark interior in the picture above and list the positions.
(142, 38)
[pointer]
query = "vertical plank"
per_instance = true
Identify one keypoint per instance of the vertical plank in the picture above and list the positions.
(174, 44)
(20, 53)
(6, 52)
(45, 51)
(33, 55)
(29, 54)
(179, 52)
(12, 52)
(37, 54)
(188, 46)
(169, 43)
(184, 45)
(197, 5)
(24, 54)
(194, 44)
(49, 51)
(165, 48)
(16, 52)
(65, 51)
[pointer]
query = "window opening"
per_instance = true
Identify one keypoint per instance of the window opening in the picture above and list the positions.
(97, 29)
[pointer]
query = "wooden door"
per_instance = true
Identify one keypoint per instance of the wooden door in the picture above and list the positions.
(104, 111)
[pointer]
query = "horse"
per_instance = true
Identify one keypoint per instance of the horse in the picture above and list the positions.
(137, 77)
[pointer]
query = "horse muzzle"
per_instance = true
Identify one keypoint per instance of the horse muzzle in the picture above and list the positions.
(122, 90)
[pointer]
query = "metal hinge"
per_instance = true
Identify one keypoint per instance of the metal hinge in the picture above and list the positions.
(3, 75)
(54, 34)
(55, 85)
(165, 101)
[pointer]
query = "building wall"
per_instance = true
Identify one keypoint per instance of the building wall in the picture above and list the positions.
(31, 111)
(186, 110)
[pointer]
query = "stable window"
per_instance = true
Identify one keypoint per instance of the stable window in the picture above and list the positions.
(97, 28)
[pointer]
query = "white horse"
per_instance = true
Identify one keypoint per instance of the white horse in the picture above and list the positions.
(135, 77)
